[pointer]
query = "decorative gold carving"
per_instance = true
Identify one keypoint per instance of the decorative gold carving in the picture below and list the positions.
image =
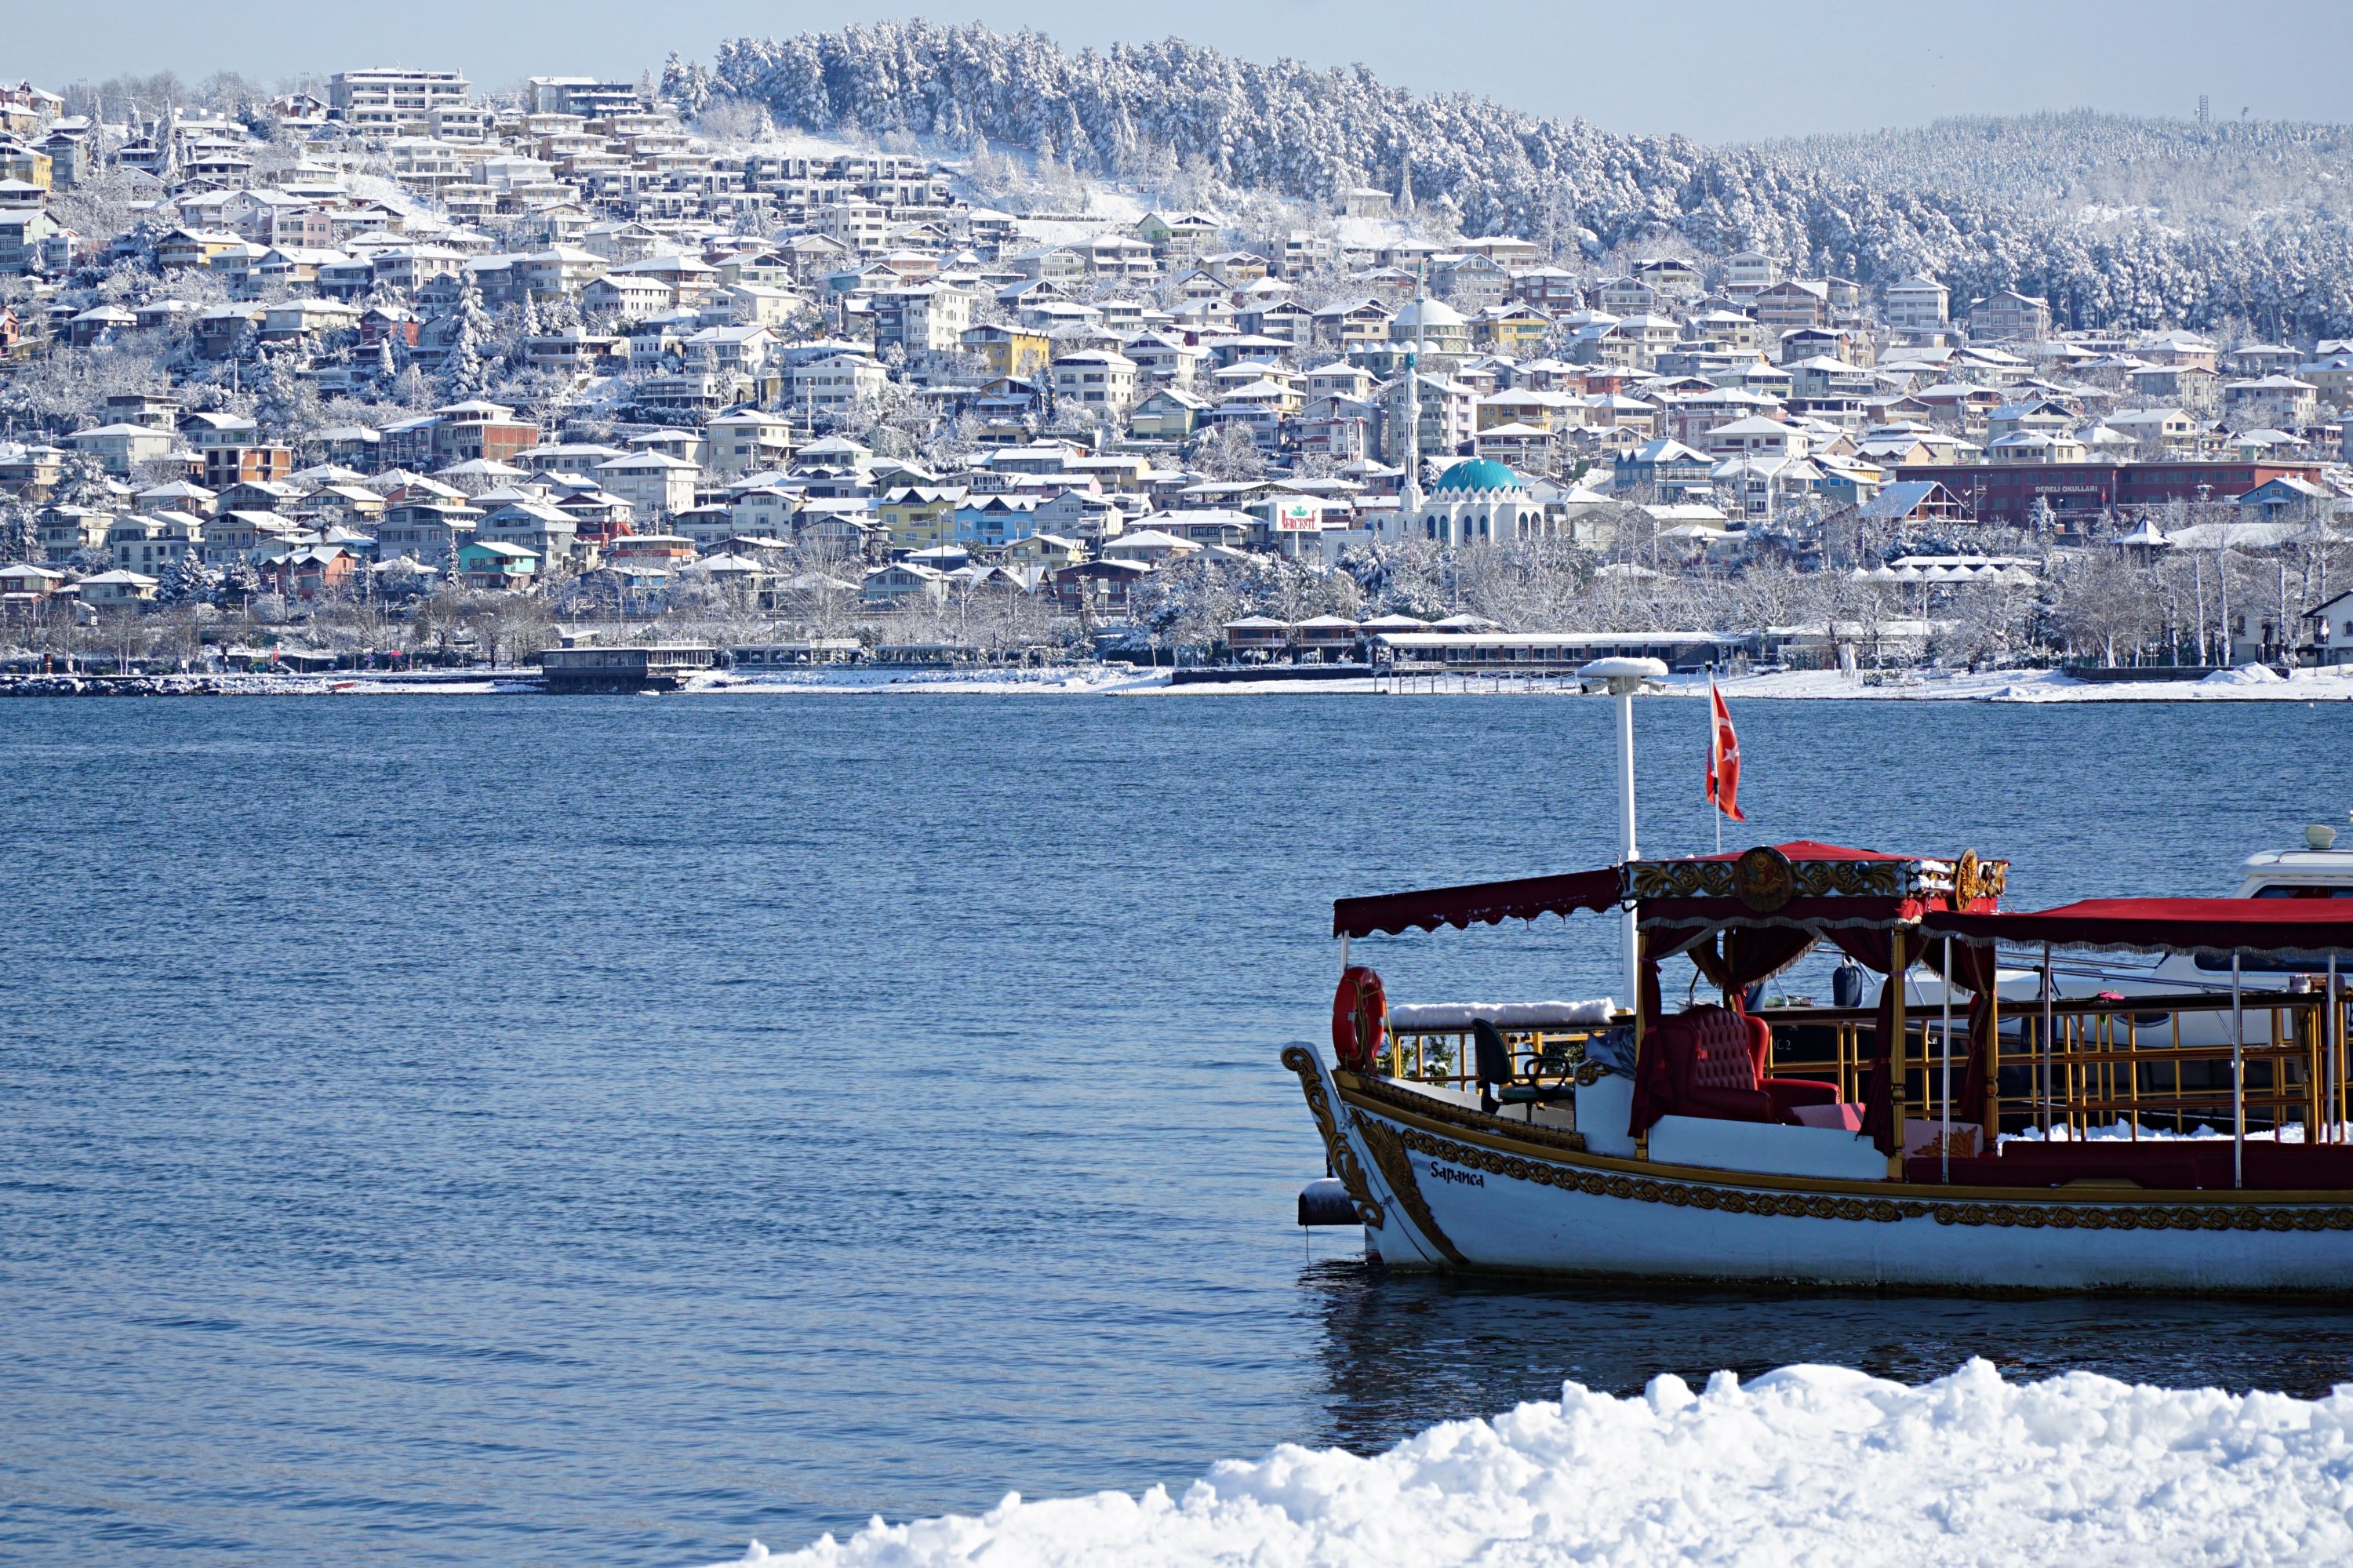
(1389, 1147)
(1974, 879)
(1763, 880)
(1679, 879)
(1806, 879)
(1799, 1205)
(1965, 877)
(1855, 878)
(1345, 1163)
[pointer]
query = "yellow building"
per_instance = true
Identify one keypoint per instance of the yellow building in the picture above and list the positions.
(1045, 551)
(1009, 351)
(920, 517)
(1510, 329)
(18, 162)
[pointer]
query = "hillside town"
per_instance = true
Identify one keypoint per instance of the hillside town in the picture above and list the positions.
(401, 371)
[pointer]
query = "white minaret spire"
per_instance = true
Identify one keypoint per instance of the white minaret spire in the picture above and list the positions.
(1409, 498)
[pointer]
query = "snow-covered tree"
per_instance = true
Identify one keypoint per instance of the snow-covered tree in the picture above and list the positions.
(1227, 453)
(20, 534)
(464, 372)
(240, 583)
(188, 581)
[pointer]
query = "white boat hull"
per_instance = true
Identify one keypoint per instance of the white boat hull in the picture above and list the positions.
(1444, 1187)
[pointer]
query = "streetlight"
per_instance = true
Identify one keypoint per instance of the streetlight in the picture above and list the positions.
(1623, 678)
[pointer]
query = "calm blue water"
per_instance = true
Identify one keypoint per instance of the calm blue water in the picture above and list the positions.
(493, 1130)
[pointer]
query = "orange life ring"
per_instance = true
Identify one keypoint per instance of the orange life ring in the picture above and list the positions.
(1360, 1019)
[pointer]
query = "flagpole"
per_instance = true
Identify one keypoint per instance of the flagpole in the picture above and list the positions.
(1714, 802)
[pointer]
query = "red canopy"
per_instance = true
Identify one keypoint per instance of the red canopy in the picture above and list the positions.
(1484, 903)
(2218, 926)
(1800, 849)
(1809, 883)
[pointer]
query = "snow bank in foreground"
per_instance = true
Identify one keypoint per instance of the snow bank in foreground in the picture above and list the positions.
(1808, 1465)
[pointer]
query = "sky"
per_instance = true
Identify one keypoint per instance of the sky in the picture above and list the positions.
(1716, 71)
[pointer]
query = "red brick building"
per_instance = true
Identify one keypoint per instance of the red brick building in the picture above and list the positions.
(2006, 492)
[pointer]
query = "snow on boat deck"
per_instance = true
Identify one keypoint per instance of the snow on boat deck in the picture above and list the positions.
(1808, 1465)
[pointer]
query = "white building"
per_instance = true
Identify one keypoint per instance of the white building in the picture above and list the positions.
(391, 102)
(1477, 501)
(655, 484)
(834, 385)
(930, 319)
(1095, 379)
(746, 441)
(1919, 304)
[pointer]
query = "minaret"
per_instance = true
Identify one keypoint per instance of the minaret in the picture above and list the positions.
(1409, 498)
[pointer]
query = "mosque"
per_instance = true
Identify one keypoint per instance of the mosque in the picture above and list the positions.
(1475, 501)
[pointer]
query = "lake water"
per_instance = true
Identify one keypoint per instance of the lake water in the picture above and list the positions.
(506, 1129)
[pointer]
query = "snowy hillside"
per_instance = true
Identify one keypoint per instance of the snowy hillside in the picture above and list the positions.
(1984, 205)
(2083, 161)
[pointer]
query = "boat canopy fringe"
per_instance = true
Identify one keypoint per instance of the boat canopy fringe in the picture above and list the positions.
(1478, 902)
(2203, 928)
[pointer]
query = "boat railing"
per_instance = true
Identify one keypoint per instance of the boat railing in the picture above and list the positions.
(2079, 1062)
(1548, 1057)
(2067, 1066)
(1831, 1043)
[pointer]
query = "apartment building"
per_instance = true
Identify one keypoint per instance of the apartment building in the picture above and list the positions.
(393, 101)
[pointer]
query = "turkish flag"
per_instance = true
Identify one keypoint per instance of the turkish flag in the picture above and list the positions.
(1723, 757)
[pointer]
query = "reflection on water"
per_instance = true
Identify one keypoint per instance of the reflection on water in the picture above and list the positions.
(1400, 1351)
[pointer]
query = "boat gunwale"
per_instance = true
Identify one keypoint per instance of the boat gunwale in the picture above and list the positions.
(1494, 1132)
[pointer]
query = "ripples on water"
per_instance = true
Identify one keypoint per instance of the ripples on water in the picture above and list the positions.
(497, 1129)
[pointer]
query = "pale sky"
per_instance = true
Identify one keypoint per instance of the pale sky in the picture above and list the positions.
(1716, 71)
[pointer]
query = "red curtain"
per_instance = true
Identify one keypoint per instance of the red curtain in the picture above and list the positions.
(1870, 947)
(1654, 1084)
(1743, 955)
(1658, 943)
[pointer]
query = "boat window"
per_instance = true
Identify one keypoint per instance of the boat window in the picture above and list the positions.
(2252, 964)
(2302, 889)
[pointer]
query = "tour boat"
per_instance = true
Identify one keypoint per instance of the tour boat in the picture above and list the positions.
(2066, 1142)
(1852, 1147)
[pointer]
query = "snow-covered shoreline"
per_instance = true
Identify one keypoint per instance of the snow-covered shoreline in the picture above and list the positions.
(2038, 686)
(1807, 1465)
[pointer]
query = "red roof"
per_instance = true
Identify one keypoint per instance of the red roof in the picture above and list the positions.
(2215, 926)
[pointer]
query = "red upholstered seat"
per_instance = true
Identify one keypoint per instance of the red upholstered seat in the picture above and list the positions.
(1724, 1050)
(1715, 1060)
